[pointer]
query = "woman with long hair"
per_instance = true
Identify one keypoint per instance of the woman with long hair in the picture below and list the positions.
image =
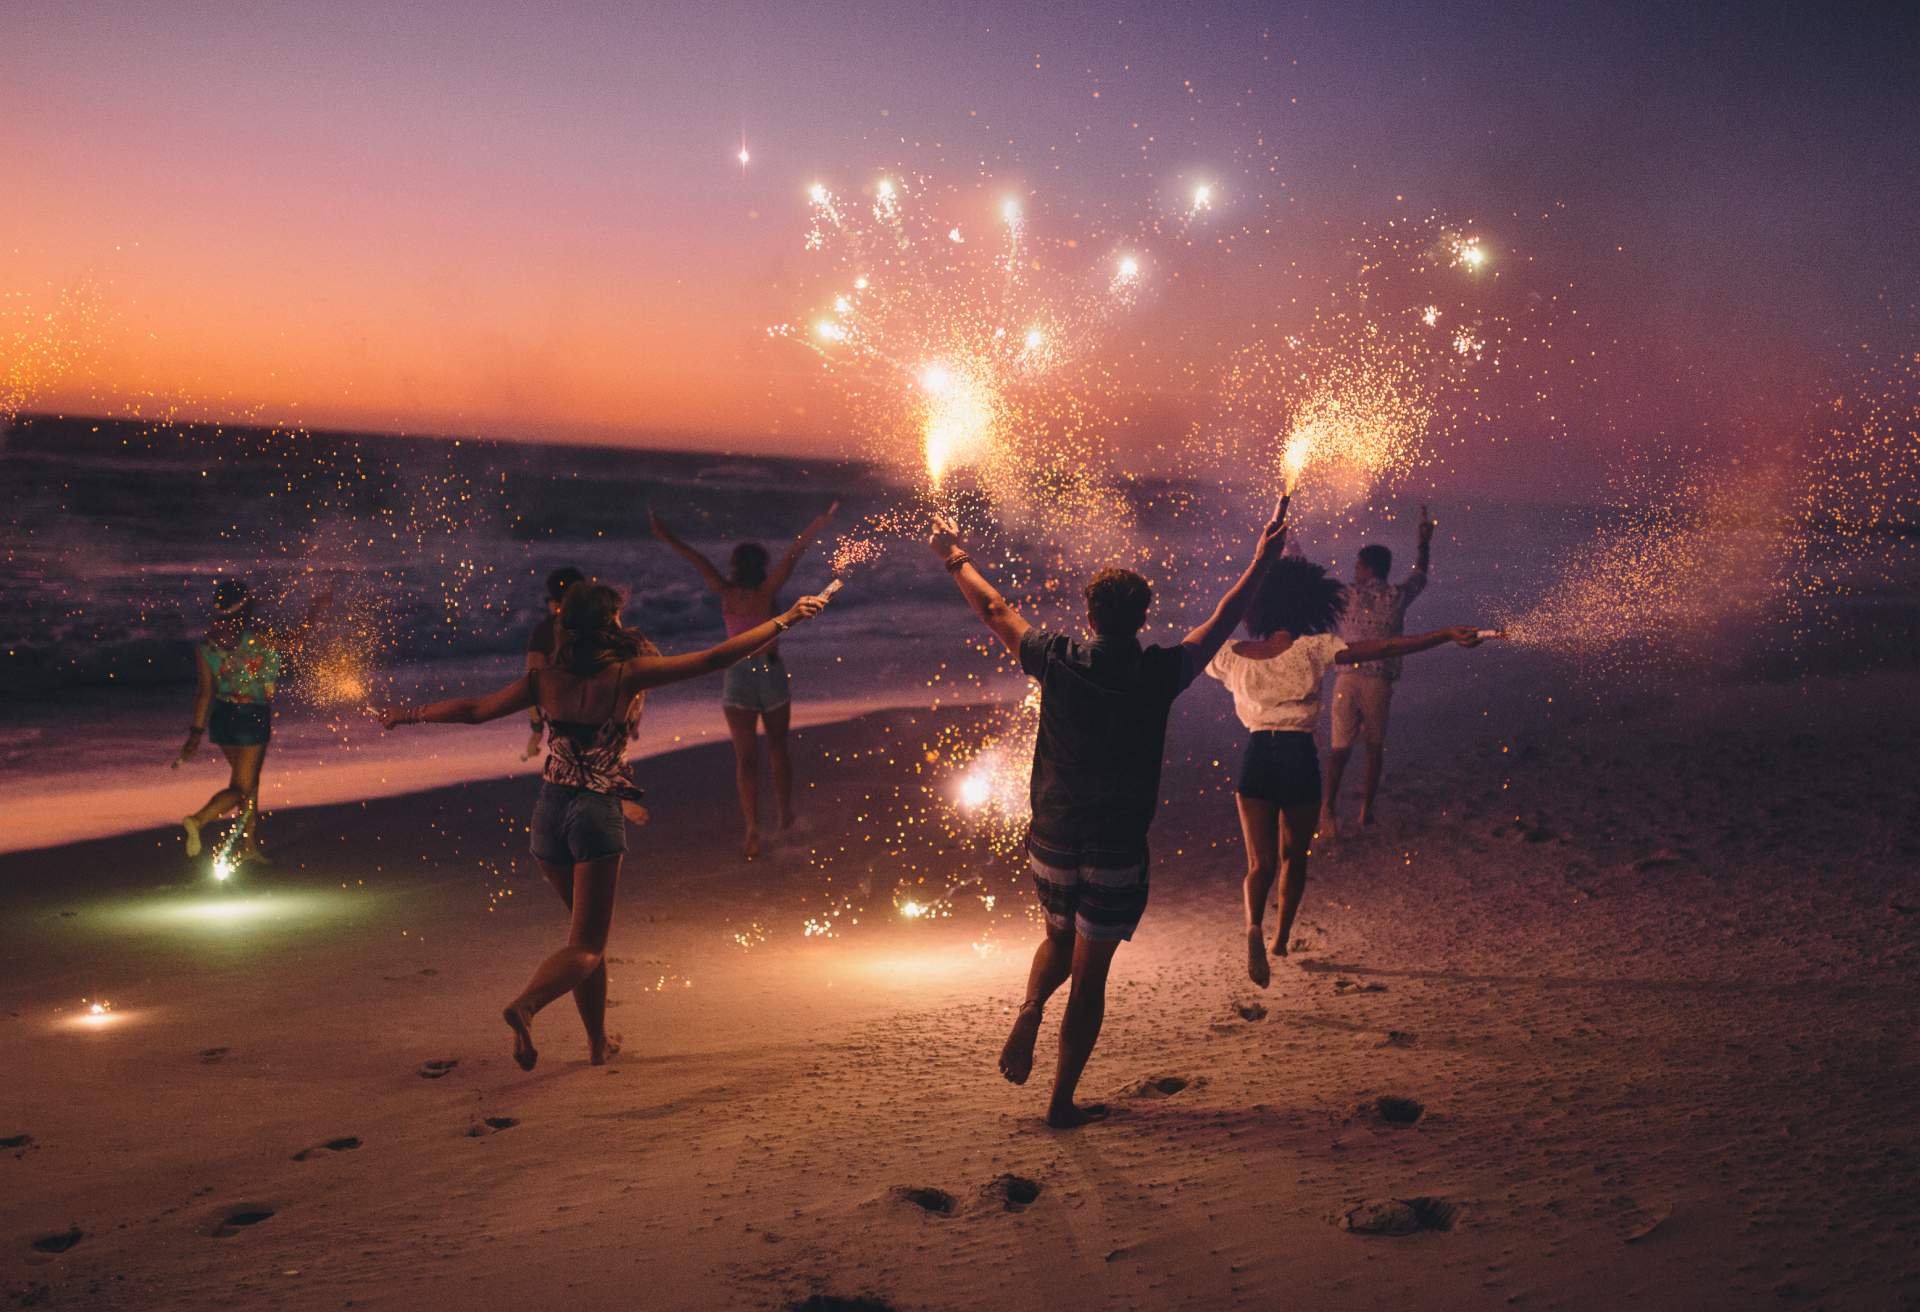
(1275, 677)
(757, 691)
(590, 695)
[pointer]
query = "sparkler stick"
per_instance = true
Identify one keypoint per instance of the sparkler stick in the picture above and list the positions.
(831, 588)
(1493, 633)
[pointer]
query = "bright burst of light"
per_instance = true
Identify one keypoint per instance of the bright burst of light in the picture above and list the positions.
(743, 157)
(1034, 338)
(953, 235)
(1468, 253)
(1430, 316)
(975, 789)
(1129, 269)
(818, 193)
(860, 284)
(1010, 211)
(1202, 198)
(912, 910)
(223, 867)
(830, 331)
(99, 1008)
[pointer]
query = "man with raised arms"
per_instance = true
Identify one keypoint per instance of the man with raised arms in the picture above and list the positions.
(1096, 785)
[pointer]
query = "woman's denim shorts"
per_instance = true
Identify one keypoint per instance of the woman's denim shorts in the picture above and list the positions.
(572, 825)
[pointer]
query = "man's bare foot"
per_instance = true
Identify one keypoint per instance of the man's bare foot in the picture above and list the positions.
(524, 1053)
(192, 826)
(1366, 817)
(1257, 958)
(751, 847)
(1016, 1058)
(602, 1049)
(1329, 829)
(1073, 1116)
(1280, 946)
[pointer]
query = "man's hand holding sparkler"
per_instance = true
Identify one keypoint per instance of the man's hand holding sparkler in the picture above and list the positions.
(1007, 624)
(1426, 540)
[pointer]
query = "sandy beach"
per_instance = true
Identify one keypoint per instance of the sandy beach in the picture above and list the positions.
(1614, 1009)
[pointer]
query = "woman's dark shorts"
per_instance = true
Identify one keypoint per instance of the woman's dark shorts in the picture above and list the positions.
(240, 724)
(572, 825)
(1282, 768)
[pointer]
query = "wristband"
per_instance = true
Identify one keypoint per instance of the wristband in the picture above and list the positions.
(781, 624)
(956, 560)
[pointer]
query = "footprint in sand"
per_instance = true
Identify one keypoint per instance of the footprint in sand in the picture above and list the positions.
(1009, 1192)
(839, 1303)
(208, 1056)
(491, 1125)
(1398, 1111)
(344, 1144)
(1398, 1216)
(1398, 1039)
(1345, 986)
(241, 1216)
(60, 1241)
(937, 1201)
(1249, 1011)
(433, 1070)
(1159, 1086)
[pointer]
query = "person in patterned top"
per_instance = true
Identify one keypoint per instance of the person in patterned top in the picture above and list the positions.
(239, 666)
(590, 695)
(1363, 694)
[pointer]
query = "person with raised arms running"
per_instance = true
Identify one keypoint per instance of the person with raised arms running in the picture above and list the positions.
(1275, 678)
(590, 695)
(1095, 788)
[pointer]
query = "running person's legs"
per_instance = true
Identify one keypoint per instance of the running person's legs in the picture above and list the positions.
(1260, 827)
(1296, 838)
(594, 884)
(1080, 1030)
(776, 719)
(1052, 965)
(742, 723)
(246, 778)
(590, 995)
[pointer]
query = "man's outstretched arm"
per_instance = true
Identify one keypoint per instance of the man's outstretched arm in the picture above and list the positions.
(1205, 642)
(1007, 624)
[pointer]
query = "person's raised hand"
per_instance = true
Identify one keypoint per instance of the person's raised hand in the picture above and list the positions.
(1273, 540)
(392, 717)
(804, 609)
(535, 743)
(1426, 527)
(1464, 634)
(944, 536)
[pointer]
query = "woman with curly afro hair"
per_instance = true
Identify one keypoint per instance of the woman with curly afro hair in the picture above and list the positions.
(1275, 677)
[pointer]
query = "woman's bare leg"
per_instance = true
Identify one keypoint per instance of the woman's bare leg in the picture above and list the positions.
(594, 883)
(1260, 827)
(1296, 836)
(246, 777)
(590, 997)
(776, 721)
(746, 770)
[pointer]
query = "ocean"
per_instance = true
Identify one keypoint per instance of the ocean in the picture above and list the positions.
(436, 550)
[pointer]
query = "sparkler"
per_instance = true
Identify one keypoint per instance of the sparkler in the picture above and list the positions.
(960, 345)
(223, 862)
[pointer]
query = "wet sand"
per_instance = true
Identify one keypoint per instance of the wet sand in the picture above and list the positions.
(1635, 976)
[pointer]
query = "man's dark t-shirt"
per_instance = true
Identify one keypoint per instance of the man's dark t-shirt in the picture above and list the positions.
(541, 639)
(1103, 732)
